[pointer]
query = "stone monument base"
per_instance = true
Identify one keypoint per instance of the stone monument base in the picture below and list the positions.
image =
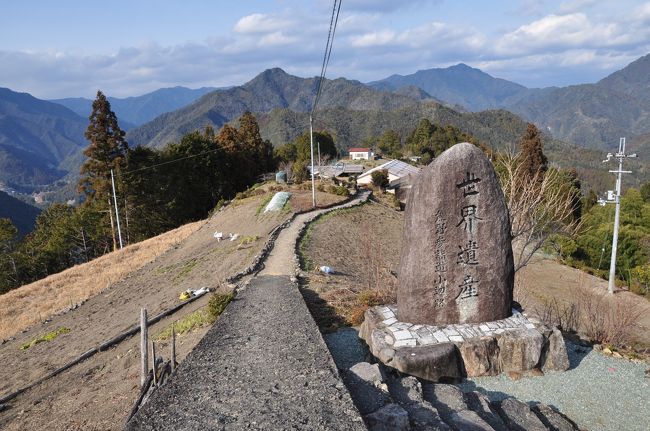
(515, 344)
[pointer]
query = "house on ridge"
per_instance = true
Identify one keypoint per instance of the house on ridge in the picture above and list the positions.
(360, 153)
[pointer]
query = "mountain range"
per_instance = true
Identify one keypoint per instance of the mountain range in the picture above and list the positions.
(134, 111)
(589, 115)
(42, 141)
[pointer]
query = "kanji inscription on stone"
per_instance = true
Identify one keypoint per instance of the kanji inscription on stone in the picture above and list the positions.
(456, 262)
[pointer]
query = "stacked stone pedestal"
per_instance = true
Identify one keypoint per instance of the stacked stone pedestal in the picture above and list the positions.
(436, 353)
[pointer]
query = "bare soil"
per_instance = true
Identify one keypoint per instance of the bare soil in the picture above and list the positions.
(363, 245)
(99, 392)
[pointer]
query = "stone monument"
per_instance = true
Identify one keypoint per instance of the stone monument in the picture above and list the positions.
(454, 313)
(456, 263)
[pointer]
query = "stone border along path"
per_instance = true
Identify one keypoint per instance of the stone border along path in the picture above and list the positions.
(263, 365)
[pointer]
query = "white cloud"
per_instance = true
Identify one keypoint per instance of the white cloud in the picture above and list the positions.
(376, 38)
(260, 23)
(560, 32)
(571, 6)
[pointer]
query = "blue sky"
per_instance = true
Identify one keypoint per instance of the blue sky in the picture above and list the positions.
(70, 48)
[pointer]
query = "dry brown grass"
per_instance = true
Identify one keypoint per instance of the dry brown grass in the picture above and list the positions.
(35, 302)
(585, 308)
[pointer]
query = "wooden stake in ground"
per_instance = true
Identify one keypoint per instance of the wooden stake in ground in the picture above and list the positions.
(153, 359)
(173, 347)
(144, 369)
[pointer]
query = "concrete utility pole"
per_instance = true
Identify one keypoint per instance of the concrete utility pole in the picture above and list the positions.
(615, 198)
(311, 139)
(117, 214)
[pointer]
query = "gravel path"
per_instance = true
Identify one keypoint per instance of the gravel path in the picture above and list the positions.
(598, 392)
(263, 365)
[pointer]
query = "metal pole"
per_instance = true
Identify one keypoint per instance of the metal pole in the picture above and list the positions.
(612, 265)
(617, 214)
(117, 214)
(313, 185)
(319, 165)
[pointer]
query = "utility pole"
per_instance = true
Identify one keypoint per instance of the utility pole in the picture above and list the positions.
(615, 198)
(311, 139)
(117, 214)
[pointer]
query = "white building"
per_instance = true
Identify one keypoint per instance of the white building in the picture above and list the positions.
(360, 153)
(397, 172)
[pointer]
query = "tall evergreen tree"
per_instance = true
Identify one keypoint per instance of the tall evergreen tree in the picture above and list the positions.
(533, 160)
(106, 152)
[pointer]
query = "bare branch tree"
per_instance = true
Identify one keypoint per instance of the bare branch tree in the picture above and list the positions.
(539, 206)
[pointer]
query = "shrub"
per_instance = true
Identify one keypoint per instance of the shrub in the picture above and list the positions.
(218, 303)
(380, 178)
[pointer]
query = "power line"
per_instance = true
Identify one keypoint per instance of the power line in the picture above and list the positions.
(328, 51)
(171, 161)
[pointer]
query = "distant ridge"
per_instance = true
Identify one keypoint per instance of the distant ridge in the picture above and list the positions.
(459, 84)
(22, 215)
(589, 115)
(271, 89)
(134, 111)
(39, 140)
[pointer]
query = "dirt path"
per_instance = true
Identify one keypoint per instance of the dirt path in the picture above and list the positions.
(281, 259)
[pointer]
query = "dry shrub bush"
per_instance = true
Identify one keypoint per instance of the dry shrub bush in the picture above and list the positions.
(606, 318)
(35, 302)
(600, 317)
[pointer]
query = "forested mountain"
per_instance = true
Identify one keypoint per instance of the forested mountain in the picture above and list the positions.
(589, 115)
(39, 140)
(459, 84)
(21, 214)
(270, 90)
(134, 111)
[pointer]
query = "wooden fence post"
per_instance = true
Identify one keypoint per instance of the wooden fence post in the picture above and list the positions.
(173, 347)
(144, 347)
(153, 358)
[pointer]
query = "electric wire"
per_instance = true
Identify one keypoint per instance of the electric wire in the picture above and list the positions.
(328, 51)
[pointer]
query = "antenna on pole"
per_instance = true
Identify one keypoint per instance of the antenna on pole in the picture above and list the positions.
(615, 198)
(117, 213)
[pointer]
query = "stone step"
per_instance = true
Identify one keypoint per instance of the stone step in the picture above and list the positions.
(392, 401)
(553, 419)
(518, 416)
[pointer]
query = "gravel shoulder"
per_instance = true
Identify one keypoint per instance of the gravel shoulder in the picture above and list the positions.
(598, 392)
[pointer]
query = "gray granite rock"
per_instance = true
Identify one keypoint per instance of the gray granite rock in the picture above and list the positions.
(456, 263)
(518, 416)
(520, 350)
(391, 417)
(369, 373)
(366, 394)
(480, 357)
(445, 398)
(555, 356)
(554, 420)
(432, 363)
(481, 404)
(468, 420)
(425, 417)
(405, 390)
